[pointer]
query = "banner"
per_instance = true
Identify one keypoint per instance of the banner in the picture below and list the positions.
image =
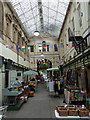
(61, 45)
(11, 46)
(17, 47)
(50, 46)
(34, 46)
(23, 47)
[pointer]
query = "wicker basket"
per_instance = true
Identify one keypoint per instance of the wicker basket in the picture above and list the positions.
(71, 106)
(73, 112)
(63, 112)
(31, 93)
(83, 112)
(59, 107)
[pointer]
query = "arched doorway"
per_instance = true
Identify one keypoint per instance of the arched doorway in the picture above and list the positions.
(43, 64)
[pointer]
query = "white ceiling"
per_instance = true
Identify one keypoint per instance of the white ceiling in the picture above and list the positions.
(41, 15)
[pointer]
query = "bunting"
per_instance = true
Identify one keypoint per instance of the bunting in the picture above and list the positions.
(57, 45)
(7, 46)
(23, 47)
(66, 44)
(45, 46)
(34, 46)
(11, 46)
(50, 46)
(28, 47)
(17, 47)
(61, 46)
(72, 45)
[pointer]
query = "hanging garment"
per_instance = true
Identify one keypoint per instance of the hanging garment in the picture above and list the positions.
(57, 86)
(51, 86)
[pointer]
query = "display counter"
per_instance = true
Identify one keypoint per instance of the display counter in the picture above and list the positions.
(73, 95)
(6, 92)
(72, 112)
(15, 97)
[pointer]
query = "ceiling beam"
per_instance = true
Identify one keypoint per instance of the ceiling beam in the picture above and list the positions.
(29, 19)
(40, 12)
(54, 19)
(54, 10)
(27, 11)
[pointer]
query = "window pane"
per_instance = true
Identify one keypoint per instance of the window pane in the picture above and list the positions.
(32, 48)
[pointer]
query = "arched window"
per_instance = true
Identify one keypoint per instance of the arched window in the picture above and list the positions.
(44, 46)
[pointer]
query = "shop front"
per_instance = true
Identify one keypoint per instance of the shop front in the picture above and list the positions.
(76, 75)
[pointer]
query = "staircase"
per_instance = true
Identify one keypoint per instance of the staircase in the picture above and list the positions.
(80, 44)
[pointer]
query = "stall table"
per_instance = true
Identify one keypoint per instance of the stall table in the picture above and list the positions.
(70, 117)
(12, 99)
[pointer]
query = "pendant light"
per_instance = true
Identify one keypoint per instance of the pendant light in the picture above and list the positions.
(36, 33)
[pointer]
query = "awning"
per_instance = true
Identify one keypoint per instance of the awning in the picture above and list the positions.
(53, 69)
(30, 72)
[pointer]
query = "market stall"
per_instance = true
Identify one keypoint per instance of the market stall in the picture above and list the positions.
(73, 95)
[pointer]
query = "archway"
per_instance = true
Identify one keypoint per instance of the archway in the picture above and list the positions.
(43, 64)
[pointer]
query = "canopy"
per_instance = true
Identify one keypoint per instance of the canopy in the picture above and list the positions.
(30, 72)
(53, 69)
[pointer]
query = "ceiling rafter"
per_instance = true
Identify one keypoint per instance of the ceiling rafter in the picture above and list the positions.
(34, 24)
(32, 12)
(63, 3)
(40, 12)
(52, 18)
(54, 10)
(48, 15)
(57, 12)
(29, 19)
(55, 25)
(27, 11)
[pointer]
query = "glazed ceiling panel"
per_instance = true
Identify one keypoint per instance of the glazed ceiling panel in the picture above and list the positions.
(42, 15)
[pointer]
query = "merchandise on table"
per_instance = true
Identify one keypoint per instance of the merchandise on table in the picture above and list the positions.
(31, 93)
(83, 112)
(88, 103)
(72, 110)
(74, 95)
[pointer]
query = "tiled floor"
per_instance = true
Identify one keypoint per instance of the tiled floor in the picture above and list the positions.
(40, 106)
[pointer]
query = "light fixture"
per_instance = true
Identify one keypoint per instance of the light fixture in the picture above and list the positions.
(36, 33)
(42, 55)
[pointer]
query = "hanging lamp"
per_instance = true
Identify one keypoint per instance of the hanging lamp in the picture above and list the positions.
(36, 33)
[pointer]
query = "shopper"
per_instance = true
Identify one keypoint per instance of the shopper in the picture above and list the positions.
(57, 87)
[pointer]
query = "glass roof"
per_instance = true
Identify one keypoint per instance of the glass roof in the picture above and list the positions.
(41, 15)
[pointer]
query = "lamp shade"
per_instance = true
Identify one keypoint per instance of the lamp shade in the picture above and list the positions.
(42, 55)
(36, 33)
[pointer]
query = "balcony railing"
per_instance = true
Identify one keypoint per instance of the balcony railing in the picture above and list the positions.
(80, 43)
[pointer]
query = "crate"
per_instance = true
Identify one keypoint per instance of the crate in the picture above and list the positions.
(31, 93)
(73, 112)
(59, 107)
(83, 112)
(63, 112)
(71, 106)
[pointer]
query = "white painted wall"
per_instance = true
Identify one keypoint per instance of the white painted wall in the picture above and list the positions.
(9, 54)
(73, 12)
(0, 88)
